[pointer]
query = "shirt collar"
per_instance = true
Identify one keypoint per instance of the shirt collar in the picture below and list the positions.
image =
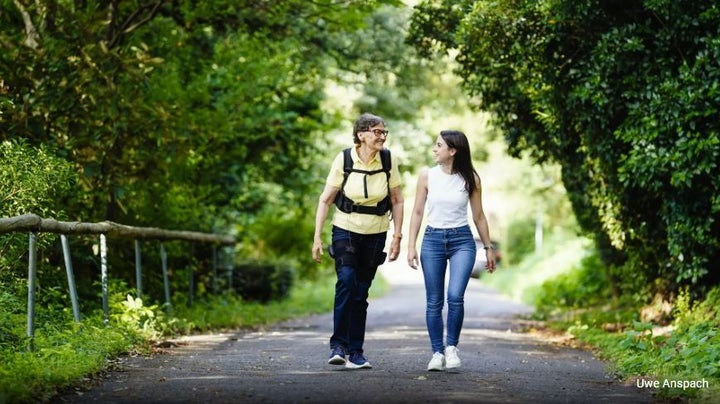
(356, 156)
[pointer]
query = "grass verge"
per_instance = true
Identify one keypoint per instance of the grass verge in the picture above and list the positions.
(680, 356)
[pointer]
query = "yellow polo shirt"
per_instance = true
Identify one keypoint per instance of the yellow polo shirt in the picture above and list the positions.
(377, 189)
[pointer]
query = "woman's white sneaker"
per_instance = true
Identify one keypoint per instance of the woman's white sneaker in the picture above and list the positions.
(437, 362)
(452, 360)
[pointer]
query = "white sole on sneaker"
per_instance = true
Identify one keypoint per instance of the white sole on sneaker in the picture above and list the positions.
(351, 365)
(336, 360)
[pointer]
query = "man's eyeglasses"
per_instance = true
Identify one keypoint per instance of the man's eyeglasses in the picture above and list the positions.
(379, 132)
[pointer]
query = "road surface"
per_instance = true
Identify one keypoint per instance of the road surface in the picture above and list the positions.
(287, 362)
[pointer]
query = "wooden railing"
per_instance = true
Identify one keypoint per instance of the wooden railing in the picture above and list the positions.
(35, 224)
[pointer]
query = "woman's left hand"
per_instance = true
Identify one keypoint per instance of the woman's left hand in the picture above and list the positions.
(490, 254)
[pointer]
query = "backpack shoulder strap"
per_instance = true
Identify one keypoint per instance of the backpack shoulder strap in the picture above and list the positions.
(386, 160)
(347, 167)
(347, 161)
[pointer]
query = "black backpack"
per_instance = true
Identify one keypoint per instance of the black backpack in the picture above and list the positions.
(346, 204)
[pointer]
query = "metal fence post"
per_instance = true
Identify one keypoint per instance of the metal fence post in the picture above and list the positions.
(230, 268)
(104, 278)
(138, 269)
(191, 286)
(70, 277)
(166, 280)
(32, 273)
(215, 269)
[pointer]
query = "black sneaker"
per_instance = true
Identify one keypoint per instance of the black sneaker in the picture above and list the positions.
(357, 361)
(337, 356)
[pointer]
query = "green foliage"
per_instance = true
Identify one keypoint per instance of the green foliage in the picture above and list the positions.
(231, 311)
(60, 359)
(520, 241)
(32, 180)
(13, 319)
(585, 286)
(561, 254)
(65, 352)
(689, 349)
(579, 300)
(280, 232)
(262, 281)
(623, 98)
(204, 99)
(186, 118)
(133, 316)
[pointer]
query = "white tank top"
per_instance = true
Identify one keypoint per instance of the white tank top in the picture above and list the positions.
(447, 199)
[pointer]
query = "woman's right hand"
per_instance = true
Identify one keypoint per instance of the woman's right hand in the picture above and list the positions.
(412, 258)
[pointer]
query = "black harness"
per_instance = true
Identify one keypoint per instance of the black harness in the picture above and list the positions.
(346, 204)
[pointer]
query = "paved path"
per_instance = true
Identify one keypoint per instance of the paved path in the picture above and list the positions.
(286, 363)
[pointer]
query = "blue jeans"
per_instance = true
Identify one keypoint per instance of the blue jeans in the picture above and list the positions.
(357, 257)
(438, 246)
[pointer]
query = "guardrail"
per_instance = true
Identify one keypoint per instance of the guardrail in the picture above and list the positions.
(35, 224)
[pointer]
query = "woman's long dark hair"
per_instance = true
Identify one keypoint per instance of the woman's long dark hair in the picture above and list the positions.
(462, 162)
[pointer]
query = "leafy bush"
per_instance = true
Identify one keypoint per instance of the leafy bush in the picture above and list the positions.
(279, 232)
(262, 281)
(561, 252)
(61, 357)
(32, 180)
(132, 315)
(520, 240)
(583, 286)
(689, 349)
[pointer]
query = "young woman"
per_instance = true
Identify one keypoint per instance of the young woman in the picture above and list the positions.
(448, 188)
(366, 197)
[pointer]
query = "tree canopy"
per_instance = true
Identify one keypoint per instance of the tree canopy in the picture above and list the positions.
(624, 96)
(201, 115)
(166, 105)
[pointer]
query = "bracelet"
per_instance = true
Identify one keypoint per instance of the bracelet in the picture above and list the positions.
(489, 247)
(397, 236)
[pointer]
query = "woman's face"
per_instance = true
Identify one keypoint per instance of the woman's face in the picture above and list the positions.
(443, 154)
(374, 137)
